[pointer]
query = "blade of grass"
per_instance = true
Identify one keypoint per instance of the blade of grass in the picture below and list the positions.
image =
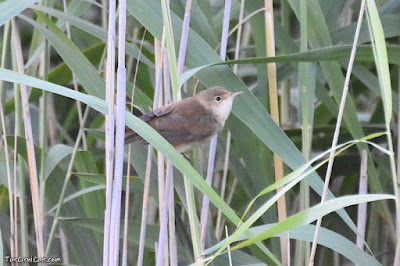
(213, 142)
(328, 238)
(362, 208)
(381, 62)
(382, 65)
(274, 110)
(64, 188)
(74, 79)
(11, 8)
(119, 139)
(337, 130)
(91, 29)
(13, 227)
(312, 214)
(291, 180)
(189, 192)
(307, 91)
(11, 192)
(110, 128)
(29, 143)
(79, 64)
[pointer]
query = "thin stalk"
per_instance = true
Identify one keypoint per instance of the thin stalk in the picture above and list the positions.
(64, 187)
(157, 101)
(189, 192)
(337, 129)
(235, 28)
(398, 129)
(274, 108)
(13, 227)
(12, 191)
(184, 38)
(397, 252)
(104, 14)
(75, 80)
(164, 219)
(213, 143)
(159, 59)
(64, 248)
(229, 247)
(221, 223)
(144, 208)
(15, 206)
(12, 200)
(171, 214)
(53, 125)
(119, 138)
(126, 216)
(394, 178)
(110, 124)
(303, 250)
(43, 127)
(4, 50)
(171, 48)
(29, 142)
(21, 176)
(127, 190)
(193, 219)
(131, 59)
(239, 35)
(397, 258)
(362, 207)
(173, 253)
(285, 97)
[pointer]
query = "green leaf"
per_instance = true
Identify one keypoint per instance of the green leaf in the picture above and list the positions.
(86, 73)
(97, 225)
(381, 57)
(345, 35)
(136, 185)
(54, 156)
(11, 8)
(326, 238)
(82, 241)
(78, 194)
(312, 214)
(92, 29)
(319, 37)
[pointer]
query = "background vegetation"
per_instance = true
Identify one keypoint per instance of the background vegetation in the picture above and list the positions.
(58, 187)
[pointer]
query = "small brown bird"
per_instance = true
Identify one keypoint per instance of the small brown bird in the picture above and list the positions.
(192, 121)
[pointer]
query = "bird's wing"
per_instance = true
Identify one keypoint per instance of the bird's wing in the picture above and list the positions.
(164, 110)
(186, 123)
(150, 117)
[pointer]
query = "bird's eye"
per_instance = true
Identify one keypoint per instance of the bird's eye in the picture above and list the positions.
(218, 98)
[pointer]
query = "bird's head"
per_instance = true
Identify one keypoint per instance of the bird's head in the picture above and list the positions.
(218, 100)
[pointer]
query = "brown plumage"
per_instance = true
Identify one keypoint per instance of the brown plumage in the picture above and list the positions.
(189, 122)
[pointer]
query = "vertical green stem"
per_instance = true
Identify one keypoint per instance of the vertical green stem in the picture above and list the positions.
(303, 248)
(193, 220)
(66, 180)
(21, 168)
(285, 97)
(43, 130)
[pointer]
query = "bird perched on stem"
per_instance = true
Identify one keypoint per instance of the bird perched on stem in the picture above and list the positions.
(191, 121)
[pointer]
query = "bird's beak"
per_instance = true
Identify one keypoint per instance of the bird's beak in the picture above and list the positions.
(234, 94)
